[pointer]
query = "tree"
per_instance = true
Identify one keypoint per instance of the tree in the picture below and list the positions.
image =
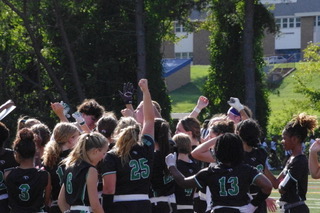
(227, 76)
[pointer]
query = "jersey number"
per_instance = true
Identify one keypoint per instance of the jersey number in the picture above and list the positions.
(2, 185)
(24, 195)
(69, 183)
(139, 169)
(234, 187)
(60, 173)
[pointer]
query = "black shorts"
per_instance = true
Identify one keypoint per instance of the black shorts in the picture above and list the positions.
(132, 207)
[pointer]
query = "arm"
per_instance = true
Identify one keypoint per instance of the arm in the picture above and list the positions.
(48, 191)
(275, 181)
(201, 104)
(109, 183)
(202, 151)
(92, 180)
(235, 103)
(314, 165)
(63, 205)
(265, 189)
(148, 111)
(183, 182)
(6, 105)
(57, 108)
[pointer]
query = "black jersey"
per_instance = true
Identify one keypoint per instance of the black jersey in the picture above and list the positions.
(26, 189)
(57, 172)
(134, 176)
(7, 162)
(295, 182)
(228, 186)
(185, 196)
(256, 158)
(74, 181)
(162, 184)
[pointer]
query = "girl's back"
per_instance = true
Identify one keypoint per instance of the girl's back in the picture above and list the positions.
(26, 189)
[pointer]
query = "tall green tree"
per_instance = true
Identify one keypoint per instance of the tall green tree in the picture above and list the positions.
(227, 76)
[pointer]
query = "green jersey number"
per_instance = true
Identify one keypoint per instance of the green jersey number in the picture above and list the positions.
(69, 188)
(234, 187)
(24, 195)
(260, 168)
(2, 185)
(60, 174)
(139, 169)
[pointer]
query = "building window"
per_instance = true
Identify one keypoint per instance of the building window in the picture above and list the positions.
(285, 23)
(291, 22)
(179, 28)
(318, 21)
(183, 54)
(298, 22)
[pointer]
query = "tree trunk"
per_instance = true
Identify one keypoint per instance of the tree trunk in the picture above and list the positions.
(73, 67)
(248, 62)
(141, 49)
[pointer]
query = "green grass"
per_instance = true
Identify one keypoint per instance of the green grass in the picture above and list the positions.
(185, 98)
(313, 195)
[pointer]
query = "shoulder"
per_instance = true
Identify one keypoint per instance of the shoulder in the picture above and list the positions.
(147, 140)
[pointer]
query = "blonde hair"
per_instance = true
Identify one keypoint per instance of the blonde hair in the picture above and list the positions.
(86, 142)
(61, 134)
(183, 143)
(129, 137)
(123, 123)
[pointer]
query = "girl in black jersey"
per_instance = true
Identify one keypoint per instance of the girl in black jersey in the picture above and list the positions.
(28, 188)
(256, 156)
(79, 192)
(65, 136)
(229, 180)
(126, 170)
(162, 190)
(293, 180)
(7, 162)
(187, 167)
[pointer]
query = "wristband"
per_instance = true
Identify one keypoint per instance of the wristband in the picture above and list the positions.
(82, 123)
(197, 110)
(259, 198)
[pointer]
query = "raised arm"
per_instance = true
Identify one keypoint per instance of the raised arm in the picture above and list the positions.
(201, 104)
(202, 152)
(148, 111)
(57, 108)
(183, 182)
(235, 103)
(314, 165)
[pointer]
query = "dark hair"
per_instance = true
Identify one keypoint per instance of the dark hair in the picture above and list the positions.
(106, 125)
(91, 107)
(300, 125)
(4, 133)
(249, 130)
(24, 144)
(193, 125)
(161, 137)
(43, 132)
(229, 149)
(220, 127)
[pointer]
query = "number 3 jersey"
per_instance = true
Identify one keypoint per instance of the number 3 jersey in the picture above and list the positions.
(229, 186)
(134, 176)
(26, 189)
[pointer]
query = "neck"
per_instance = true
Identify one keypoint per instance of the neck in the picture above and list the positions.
(194, 142)
(27, 163)
(297, 150)
(247, 148)
(184, 157)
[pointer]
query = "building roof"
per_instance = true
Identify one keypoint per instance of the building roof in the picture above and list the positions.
(300, 8)
(171, 66)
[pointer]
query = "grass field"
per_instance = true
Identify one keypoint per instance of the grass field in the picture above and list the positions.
(185, 98)
(313, 195)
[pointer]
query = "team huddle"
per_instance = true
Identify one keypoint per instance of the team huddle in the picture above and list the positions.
(135, 164)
